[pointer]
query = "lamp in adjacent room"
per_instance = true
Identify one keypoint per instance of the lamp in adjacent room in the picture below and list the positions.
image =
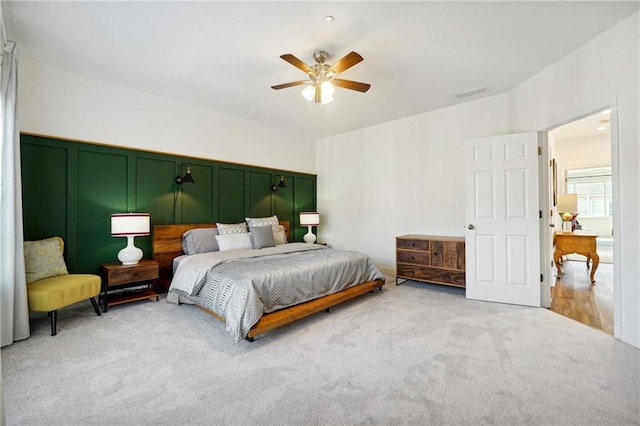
(130, 225)
(568, 210)
(280, 184)
(309, 219)
(187, 178)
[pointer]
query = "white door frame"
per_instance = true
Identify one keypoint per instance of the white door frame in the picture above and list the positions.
(545, 220)
(545, 254)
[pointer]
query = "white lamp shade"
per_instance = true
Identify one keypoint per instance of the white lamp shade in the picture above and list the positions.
(309, 219)
(129, 224)
(309, 92)
(567, 203)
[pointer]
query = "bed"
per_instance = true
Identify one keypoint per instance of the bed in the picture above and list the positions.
(199, 279)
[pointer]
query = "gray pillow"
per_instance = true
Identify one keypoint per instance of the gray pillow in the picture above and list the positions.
(200, 240)
(262, 236)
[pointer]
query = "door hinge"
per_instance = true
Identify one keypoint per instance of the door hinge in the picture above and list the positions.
(539, 150)
(539, 214)
(541, 278)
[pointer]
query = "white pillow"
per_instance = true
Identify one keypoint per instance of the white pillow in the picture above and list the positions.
(234, 241)
(264, 221)
(232, 228)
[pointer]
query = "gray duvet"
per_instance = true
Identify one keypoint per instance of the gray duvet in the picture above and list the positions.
(242, 288)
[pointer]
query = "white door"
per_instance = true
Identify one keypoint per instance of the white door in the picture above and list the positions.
(502, 217)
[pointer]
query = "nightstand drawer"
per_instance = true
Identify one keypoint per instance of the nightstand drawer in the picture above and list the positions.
(132, 274)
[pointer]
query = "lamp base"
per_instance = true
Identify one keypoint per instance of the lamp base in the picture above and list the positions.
(130, 255)
(309, 237)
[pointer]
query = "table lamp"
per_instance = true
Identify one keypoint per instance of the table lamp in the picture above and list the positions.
(309, 219)
(568, 210)
(129, 225)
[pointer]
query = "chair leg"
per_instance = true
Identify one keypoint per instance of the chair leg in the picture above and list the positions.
(54, 322)
(95, 306)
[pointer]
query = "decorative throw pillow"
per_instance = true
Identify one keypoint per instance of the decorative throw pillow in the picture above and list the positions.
(263, 221)
(232, 228)
(280, 237)
(234, 241)
(44, 259)
(262, 236)
(200, 240)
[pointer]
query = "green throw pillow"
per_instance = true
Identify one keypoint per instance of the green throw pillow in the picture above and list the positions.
(43, 259)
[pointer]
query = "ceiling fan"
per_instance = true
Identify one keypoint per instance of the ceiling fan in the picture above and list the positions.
(322, 76)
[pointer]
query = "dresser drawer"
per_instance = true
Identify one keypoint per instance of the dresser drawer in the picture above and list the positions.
(133, 274)
(412, 244)
(429, 274)
(415, 257)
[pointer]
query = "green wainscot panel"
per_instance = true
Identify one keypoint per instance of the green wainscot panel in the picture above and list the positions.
(260, 194)
(154, 190)
(196, 199)
(283, 203)
(231, 197)
(102, 190)
(44, 191)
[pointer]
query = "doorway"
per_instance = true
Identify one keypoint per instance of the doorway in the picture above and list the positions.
(581, 151)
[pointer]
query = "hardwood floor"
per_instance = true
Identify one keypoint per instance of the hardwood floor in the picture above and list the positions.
(575, 297)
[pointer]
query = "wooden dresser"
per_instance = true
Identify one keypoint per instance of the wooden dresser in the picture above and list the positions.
(438, 260)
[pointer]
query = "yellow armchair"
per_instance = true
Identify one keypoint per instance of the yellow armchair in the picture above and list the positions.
(50, 286)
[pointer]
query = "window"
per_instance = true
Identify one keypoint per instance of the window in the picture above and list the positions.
(593, 186)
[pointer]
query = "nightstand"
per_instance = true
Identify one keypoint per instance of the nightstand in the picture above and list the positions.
(116, 276)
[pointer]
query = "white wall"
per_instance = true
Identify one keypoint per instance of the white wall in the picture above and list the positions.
(406, 176)
(401, 177)
(56, 102)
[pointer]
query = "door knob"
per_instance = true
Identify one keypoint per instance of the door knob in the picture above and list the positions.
(470, 226)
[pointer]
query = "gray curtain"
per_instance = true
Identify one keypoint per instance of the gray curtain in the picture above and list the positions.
(14, 310)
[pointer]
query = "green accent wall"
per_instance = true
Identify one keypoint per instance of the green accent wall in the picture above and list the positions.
(70, 189)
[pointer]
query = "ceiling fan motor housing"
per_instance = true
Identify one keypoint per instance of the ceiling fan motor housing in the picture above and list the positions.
(320, 56)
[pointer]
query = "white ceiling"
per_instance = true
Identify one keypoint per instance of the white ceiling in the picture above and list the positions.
(224, 56)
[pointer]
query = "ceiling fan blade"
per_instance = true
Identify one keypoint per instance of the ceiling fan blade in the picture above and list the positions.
(353, 85)
(297, 63)
(346, 62)
(285, 85)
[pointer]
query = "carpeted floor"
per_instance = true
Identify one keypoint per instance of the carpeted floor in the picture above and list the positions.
(414, 354)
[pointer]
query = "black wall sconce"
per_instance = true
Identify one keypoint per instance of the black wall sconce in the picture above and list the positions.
(187, 178)
(280, 184)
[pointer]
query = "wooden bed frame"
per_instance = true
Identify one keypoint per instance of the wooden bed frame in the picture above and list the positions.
(167, 244)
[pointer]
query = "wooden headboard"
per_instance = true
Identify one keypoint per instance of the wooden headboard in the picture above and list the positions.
(167, 245)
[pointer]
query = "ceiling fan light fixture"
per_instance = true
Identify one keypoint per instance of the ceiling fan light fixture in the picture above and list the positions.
(321, 84)
(326, 98)
(309, 92)
(327, 88)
